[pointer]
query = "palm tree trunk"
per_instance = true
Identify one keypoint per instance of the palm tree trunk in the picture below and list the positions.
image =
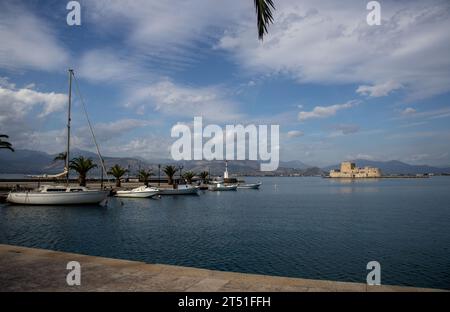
(82, 180)
(118, 183)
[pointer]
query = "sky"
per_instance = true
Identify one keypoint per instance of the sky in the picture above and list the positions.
(339, 88)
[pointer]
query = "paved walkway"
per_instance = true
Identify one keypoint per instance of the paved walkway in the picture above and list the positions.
(30, 269)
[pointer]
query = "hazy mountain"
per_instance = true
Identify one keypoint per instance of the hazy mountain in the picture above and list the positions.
(395, 167)
(34, 162)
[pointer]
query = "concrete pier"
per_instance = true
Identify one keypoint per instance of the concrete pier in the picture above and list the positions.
(31, 269)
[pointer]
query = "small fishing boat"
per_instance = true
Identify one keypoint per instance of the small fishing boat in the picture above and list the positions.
(253, 186)
(184, 189)
(139, 192)
(222, 187)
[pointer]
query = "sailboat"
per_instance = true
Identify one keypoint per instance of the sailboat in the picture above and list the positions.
(60, 195)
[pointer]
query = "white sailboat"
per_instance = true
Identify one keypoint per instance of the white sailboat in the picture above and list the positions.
(139, 192)
(60, 195)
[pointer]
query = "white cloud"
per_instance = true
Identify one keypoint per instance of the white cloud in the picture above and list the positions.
(408, 111)
(330, 42)
(177, 100)
(325, 111)
(107, 66)
(344, 129)
(295, 134)
(27, 41)
(16, 103)
(382, 89)
(167, 32)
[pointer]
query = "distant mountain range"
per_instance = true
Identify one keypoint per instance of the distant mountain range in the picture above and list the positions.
(35, 162)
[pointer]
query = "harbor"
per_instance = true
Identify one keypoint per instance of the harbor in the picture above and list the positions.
(31, 269)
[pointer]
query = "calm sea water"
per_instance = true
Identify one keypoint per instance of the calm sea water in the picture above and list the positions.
(299, 227)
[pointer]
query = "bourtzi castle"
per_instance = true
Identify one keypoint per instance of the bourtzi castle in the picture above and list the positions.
(349, 170)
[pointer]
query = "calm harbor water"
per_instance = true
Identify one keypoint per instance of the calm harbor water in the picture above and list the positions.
(299, 227)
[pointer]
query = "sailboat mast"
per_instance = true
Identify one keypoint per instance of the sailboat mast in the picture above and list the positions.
(68, 125)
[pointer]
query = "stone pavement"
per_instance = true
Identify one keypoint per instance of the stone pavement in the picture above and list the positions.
(30, 269)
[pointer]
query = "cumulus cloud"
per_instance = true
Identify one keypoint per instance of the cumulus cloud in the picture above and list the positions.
(378, 90)
(177, 100)
(330, 42)
(27, 41)
(295, 134)
(325, 111)
(16, 103)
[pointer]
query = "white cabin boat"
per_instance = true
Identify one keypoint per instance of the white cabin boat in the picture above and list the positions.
(253, 186)
(139, 192)
(222, 187)
(184, 189)
(58, 195)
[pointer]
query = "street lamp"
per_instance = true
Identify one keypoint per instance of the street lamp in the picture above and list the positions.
(181, 168)
(159, 174)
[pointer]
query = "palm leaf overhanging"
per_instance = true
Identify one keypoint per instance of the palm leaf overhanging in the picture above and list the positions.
(5, 144)
(263, 16)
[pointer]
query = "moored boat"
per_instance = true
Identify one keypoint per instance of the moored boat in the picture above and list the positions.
(180, 190)
(222, 187)
(253, 186)
(58, 195)
(139, 192)
(62, 195)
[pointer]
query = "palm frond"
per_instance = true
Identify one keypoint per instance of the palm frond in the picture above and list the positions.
(264, 16)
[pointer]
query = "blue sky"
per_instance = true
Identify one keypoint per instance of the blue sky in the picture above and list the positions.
(339, 88)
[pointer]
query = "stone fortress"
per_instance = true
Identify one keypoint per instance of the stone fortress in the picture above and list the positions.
(349, 170)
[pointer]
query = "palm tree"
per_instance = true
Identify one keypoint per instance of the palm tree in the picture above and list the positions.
(117, 171)
(204, 176)
(188, 175)
(263, 16)
(82, 165)
(5, 144)
(170, 172)
(60, 156)
(144, 175)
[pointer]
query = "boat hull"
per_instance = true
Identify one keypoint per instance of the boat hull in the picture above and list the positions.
(223, 188)
(131, 194)
(63, 198)
(254, 186)
(188, 191)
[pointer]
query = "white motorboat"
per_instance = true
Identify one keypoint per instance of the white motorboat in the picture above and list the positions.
(253, 186)
(58, 195)
(184, 189)
(62, 195)
(139, 192)
(222, 187)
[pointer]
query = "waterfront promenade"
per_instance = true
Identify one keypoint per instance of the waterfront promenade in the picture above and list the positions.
(31, 269)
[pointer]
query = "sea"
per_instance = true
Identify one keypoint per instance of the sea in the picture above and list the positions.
(307, 227)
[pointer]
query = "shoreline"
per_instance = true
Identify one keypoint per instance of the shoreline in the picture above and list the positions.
(33, 269)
